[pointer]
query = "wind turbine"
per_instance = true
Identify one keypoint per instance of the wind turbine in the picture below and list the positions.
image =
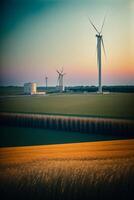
(100, 43)
(46, 79)
(60, 79)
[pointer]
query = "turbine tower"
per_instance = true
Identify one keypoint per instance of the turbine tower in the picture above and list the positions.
(99, 43)
(60, 79)
(46, 79)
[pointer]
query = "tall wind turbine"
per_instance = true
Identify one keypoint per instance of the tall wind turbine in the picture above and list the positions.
(60, 79)
(100, 43)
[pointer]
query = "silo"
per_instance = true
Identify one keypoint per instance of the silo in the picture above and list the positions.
(30, 88)
(33, 88)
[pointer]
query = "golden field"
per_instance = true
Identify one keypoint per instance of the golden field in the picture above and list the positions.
(91, 170)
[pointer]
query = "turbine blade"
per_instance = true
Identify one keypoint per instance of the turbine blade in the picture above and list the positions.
(58, 72)
(58, 79)
(97, 55)
(103, 24)
(93, 25)
(103, 47)
(62, 70)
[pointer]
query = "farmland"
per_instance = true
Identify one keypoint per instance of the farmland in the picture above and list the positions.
(115, 105)
(97, 170)
(86, 170)
(20, 136)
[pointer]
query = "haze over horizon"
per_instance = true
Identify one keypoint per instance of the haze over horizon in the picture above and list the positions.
(39, 36)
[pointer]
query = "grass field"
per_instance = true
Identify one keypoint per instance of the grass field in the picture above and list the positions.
(112, 105)
(97, 170)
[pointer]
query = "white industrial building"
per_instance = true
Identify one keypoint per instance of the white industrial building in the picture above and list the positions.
(30, 88)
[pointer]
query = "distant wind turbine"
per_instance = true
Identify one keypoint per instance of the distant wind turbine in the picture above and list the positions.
(99, 43)
(46, 79)
(60, 79)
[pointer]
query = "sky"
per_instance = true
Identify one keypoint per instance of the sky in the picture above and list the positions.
(38, 37)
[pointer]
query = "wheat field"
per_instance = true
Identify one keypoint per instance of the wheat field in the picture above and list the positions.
(90, 170)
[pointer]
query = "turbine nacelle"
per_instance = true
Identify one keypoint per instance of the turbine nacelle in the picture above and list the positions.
(98, 36)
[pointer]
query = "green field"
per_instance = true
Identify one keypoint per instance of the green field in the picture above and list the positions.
(111, 105)
(22, 136)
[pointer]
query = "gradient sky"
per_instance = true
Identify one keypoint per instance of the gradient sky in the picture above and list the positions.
(39, 36)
